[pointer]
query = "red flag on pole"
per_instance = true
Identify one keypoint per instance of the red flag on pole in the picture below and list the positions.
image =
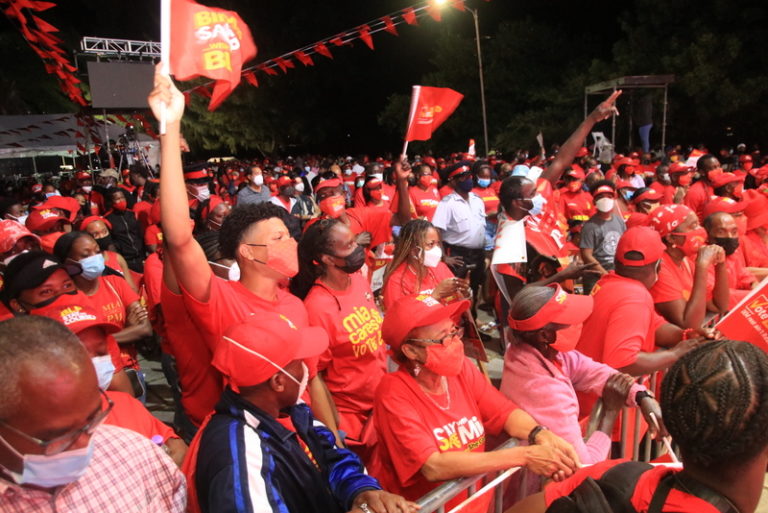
(430, 106)
(210, 42)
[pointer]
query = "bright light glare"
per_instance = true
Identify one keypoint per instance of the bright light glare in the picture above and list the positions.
(440, 3)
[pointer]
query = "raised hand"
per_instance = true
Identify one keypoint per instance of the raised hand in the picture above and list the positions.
(607, 108)
(165, 93)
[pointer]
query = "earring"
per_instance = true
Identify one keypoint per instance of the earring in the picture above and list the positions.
(416, 370)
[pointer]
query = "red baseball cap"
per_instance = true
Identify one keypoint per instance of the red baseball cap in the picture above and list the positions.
(416, 311)
(253, 351)
(604, 189)
(12, 232)
(42, 220)
(284, 180)
(745, 158)
(646, 194)
(333, 182)
(90, 219)
(722, 204)
(575, 172)
(668, 217)
(724, 179)
(644, 241)
(77, 315)
(66, 203)
(582, 152)
(679, 168)
(624, 184)
(82, 175)
(562, 308)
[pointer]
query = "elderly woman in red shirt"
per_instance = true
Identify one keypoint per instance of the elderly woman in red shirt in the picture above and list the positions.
(433, 414)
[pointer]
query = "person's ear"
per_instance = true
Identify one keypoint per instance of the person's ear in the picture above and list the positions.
(16, 306)
(277, 382)
(409, 351)
(326, 260)
(416, 252)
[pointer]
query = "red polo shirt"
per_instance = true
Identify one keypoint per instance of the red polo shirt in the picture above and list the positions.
(402, 282)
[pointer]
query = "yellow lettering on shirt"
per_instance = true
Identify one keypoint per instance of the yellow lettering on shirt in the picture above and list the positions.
(466, 433)
(364, 328)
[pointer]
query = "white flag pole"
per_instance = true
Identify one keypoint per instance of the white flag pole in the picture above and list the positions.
(411, 115)
(165, 49)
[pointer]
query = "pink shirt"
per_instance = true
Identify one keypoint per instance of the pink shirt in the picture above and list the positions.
(528, 377)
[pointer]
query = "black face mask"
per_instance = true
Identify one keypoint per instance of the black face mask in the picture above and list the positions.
(42, 304)
(354, 261)
(104, 242)
(729, 244)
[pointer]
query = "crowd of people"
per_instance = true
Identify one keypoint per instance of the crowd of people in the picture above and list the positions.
(310, 317)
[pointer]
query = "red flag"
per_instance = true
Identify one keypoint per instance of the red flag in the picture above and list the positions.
(44, 25)
(430, 106)
(365, 35)
(337, 41)
(283, 64)
(434, 11)
(303, 58)
(269, 70)
(250, 77)
(389, 26)
(458, 4)
(323, 50)
(210, 42)
(410, 16)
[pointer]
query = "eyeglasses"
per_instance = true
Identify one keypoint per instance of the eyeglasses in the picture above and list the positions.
(62, 443)
(457, 332)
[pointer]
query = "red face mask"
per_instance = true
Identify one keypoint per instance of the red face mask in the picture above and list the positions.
(332, 206)
(121, 205)
(738, 192)
(747, 166)
(425, 180)
(376, 194)
(685, 179)
(694, 239)
(282, 257)
(446, 359)
(714, 173)
(575, 186)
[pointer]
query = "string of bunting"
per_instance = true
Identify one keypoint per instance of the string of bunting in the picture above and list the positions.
(39, 35)
(364, 33)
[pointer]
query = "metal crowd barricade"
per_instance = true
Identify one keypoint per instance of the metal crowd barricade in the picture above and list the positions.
(435, 500)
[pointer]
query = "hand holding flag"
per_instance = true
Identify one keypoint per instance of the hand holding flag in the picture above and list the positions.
(430, 107)
(165, 100)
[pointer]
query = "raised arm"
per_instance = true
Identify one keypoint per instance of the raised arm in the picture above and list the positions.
(183, 251)
(569, 148)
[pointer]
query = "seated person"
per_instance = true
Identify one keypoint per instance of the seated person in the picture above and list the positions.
(433, 414)
(723, 231)
(715, 406)
(247, 461)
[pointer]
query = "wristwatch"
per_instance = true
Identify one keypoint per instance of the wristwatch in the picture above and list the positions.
(534, 432)
(642, 394)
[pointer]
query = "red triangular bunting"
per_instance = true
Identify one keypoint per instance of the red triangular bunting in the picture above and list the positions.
(44, 25)
(365, 35)
(323, 50)
(389, 26)
(267, 70)
(337, 41)
(410, 16)
(284, 64)
(250, 77)
(434, 11)
(303, 58)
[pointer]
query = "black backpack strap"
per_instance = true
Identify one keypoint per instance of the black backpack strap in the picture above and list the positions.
(691, 486)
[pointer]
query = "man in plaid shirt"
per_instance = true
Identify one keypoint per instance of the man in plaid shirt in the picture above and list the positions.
(55, 456)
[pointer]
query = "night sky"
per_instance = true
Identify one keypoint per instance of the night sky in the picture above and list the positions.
(357, 82)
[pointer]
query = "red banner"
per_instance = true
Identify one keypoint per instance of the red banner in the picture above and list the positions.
(748, 320)
(430, 106)
(209, 42)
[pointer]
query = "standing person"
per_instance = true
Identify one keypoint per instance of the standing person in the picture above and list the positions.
(255, 236)
(55, 452)
(601, 234)
(417, 266)
(460, 217)
(339, 299)
(286, 199)
(576, 203)
(698, 195)
(424, 195)
(255, 192)
(126, 231)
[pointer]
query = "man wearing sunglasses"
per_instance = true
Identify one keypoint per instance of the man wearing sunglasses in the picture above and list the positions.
(55, 454)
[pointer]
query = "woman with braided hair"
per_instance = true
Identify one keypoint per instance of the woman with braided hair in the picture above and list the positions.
(417, 266)
(715, 405)
(338, 298)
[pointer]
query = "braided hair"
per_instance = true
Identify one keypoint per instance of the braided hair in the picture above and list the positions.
(315, 243)
(715, 403)
(412, 235)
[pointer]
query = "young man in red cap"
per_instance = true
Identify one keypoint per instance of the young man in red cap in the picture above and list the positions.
(728, 185)
(700, 192)
(243, 459)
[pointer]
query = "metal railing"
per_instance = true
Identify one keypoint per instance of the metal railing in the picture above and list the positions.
(435, 500)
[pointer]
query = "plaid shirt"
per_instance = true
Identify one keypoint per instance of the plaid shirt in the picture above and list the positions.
(128, 474)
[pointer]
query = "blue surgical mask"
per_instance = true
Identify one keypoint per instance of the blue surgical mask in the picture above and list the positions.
(627, 194)
(105, 369)
(484, 182)
(51, 194)
(538, 205)
(92, 266)
(52, 471)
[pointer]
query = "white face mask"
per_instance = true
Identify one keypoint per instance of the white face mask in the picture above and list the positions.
(87, 188)
(299, 187)
(380, 176)
(257, 180)
(233, 271)
(105, 369)
(52, 471)
(605, 204)
(432, 256)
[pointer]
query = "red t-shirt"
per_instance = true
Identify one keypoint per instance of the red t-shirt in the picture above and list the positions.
(153, 236)
(411, 426)
(375, 220)
(424, 202)
(355, 360)
(755, 250)
(675, 281)
(445, 190)
(201, 384)
(113, 296)
(667, 192)
(490, 199)
(153, 279)
(402, 282)
(142, 210)
(740, 280)
(576, 205)
(129, 413)
(677, 500)
(697, 197)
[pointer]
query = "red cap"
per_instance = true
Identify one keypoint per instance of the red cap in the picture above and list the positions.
(562, 308)
(82, 175)
(648, 195)
(38, 187)
(253, 351)
(576, 173)
(90, 219)
(333, 182)
(644, 241)
(11, 232)
(637, 219)
(677, 167)
(604, 189)
(416, 311)
(77, 315)
(43, 220)
(668, 217)
(624, 184)
(724, 179)
(582, 152)
(757, 212)
(61, 202)
(284, 180)
(372, 184)
(430, 161)
(721, 204)
(745, 158)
